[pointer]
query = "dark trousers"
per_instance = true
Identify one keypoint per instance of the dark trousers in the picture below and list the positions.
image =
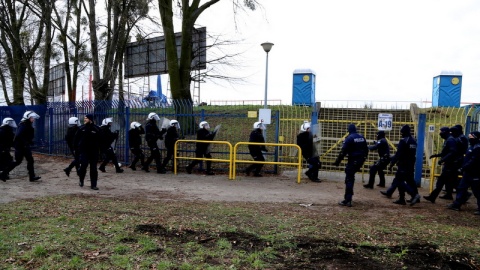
(462, 190)
(74, 162)
(109, 154)
(154, 155)
(352, 167)
(168, 157)
(6, 159)
(314, 166)
(85, 160)
(405, 181)
(378, 167)
(447, 178)
(20, 154)
(256, 168)
(138, 155)
(196, 161)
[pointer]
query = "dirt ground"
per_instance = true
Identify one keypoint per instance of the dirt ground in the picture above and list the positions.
(196, 186)
(268, 190)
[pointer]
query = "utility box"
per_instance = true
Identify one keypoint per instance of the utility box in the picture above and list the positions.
(303, 92)
(447, 89)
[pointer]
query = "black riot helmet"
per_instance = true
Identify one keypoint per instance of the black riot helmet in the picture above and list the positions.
(380, 134)
(352, 129)
(405, 131)
(455, 131)
(474, 137)
(444, 132)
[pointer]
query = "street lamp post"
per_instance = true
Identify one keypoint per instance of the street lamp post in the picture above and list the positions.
(267, 46)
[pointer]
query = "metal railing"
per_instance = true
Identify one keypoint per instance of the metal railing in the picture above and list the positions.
(298, 163)
(229, 160)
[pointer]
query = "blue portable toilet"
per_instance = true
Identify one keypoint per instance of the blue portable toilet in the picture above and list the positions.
(303, 92)
(447, 89)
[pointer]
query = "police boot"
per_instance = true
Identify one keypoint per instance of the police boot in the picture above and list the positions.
(67, 171)
(429, 198)
(400, 201)
(3, 177)
(102, 168)
(446, 197)
(385, 193)
(345, 203)
(34, 178)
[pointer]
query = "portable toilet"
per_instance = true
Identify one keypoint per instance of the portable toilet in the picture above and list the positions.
(303, 92)
(447, 89)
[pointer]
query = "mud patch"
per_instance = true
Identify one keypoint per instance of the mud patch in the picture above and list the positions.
(311, 253)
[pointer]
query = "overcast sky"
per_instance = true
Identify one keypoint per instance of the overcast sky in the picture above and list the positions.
(370, 50)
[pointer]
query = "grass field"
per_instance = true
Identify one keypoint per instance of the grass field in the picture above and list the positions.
(81, 232)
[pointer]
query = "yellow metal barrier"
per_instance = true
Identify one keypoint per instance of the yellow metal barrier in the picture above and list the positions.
(229, 160)
(298, 164)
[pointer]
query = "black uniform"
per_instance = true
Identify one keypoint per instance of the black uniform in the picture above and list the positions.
(69, 137)
(463, 139)
(405, 159)
(309, 153)
(22, 144)
(451, 160)
(462, 145)
(87, 143)
(152, 134)
(107, 138)
(470, 175)
(135, 143)
(355, 147)
(201, 150)
(6, 142)
(381, 146)
(171, 138)
(256, 136)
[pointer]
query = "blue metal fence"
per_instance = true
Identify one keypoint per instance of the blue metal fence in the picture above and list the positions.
(50, 129)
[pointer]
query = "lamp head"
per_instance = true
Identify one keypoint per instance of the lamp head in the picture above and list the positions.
(267, 46)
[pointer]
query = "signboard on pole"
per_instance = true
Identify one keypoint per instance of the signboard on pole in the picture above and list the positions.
(385, 121)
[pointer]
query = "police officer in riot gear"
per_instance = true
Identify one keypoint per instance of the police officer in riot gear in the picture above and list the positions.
(404, 158)
(108, 137)
(381, 145)
(22, 144)
(7, 134)
(87, 143)
(201, 148)
(256, 151)
(135, 143)
(152, 135)
(470, 174)
(309, 151)
(171, 138)
(73, 126)
(355, 147)
(463, 139)
(451, 160)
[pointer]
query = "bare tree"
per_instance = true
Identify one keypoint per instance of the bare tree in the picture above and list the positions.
(180, 66)
(71, 25)
(122, 16)
(19, 43)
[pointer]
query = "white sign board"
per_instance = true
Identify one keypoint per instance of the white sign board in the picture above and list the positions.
(385, 121)
(265, 116)
(431, 128)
